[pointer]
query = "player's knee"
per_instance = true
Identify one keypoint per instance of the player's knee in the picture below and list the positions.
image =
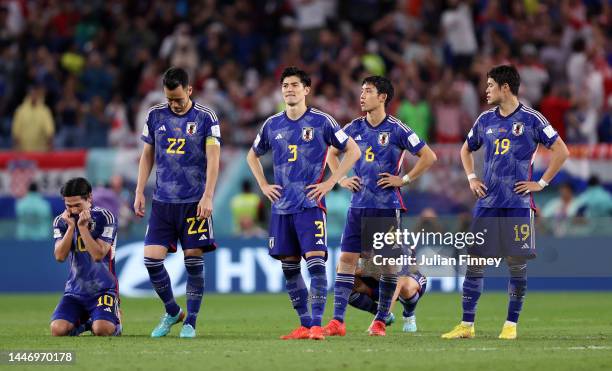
(315, 253)
(103, 328)
(347, 263)
(60, 328)
(193, 252)
(409, 287)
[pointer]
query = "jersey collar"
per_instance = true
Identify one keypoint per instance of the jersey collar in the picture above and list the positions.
(299, 118)
(184, 114)
(510, 115)
(383, 122)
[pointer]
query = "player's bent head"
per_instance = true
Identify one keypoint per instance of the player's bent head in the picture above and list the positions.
(375, 90)
(295, 85)
(506, 77)
(77, 195)
(177, 89)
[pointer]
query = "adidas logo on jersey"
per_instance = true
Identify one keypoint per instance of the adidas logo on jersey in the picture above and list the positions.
(162, 128)
(525, 247)
(490, 131)
(107, 309)
(320, 242)
(278, 136)
(358, 137)
(202, 237)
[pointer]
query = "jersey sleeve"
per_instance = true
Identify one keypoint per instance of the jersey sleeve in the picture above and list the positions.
(106, 227)
(334, 135)
(213, 130)
(409, 140)
(474, 137)
(59, 228)
(544, 132)
(148, 132)
(261, 145)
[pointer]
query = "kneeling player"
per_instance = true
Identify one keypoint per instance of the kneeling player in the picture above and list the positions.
(88, 235)
(410, 289)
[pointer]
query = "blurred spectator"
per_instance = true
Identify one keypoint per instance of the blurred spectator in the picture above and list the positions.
(33, 216)
(604, 130)
(577, 67)
(96, 124)
(103, 196)
(33, 125)
(554, 107)
(337, 202)
(68, 110)
(533, 75)
(558, 210)
(415, 112)
(581, 123)
(460, 35)
(595, 202)
(245, 208)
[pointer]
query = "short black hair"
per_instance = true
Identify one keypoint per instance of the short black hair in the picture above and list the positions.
(76, 187)
(246, 186)
(383, 86)
(33, 187)
(506, 74)
(294, 71)
(593, 181)
(175, 77)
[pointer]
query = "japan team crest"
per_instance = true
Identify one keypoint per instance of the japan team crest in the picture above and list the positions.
(518, 128)
(191, 128)
(307, 134)
(383, 138)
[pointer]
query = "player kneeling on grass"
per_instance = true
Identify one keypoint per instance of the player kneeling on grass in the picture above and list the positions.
(87, 235)
(409, 290)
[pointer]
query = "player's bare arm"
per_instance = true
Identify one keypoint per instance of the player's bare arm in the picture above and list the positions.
(62, 247)
(476, 185)
(96, 248)
(352, 183)
(427, 157)
(560, 154)
(351, 155)
(144, 170)
(271, 191)
(213, 153)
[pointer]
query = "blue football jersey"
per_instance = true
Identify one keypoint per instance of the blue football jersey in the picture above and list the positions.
(382, 151)
(88, 277)
(510, 144)
(299, 151)
(180, 150)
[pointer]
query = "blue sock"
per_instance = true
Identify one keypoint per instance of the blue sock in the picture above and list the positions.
(318, 288)
(296, 288)
(387, 285)
(161, 283)
(195, 287)
(472, 288)
(342, 290)
(363, 302)
(516, 291)
(410, 304)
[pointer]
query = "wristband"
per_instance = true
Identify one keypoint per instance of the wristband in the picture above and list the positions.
(406, 179)
(471, 176)
(542, 183)
(341, 179)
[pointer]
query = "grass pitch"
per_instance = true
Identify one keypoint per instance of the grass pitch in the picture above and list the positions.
(558, 331)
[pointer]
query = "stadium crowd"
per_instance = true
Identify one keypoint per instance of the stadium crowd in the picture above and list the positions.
(83, 74)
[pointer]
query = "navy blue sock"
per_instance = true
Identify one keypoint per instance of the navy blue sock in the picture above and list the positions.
(410, 304)
(195, 287)
(387, 285)
(472, 288)
(342, 290)
(516, 291)
(161, 283)
(363, 302)
(318, 288)
(296, 288)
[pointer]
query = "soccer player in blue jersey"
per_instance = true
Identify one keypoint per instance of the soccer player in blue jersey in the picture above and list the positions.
(299, 138)
(382, 139)
(87, 236)
(510, 134)
(411, 287)
(183, 139)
